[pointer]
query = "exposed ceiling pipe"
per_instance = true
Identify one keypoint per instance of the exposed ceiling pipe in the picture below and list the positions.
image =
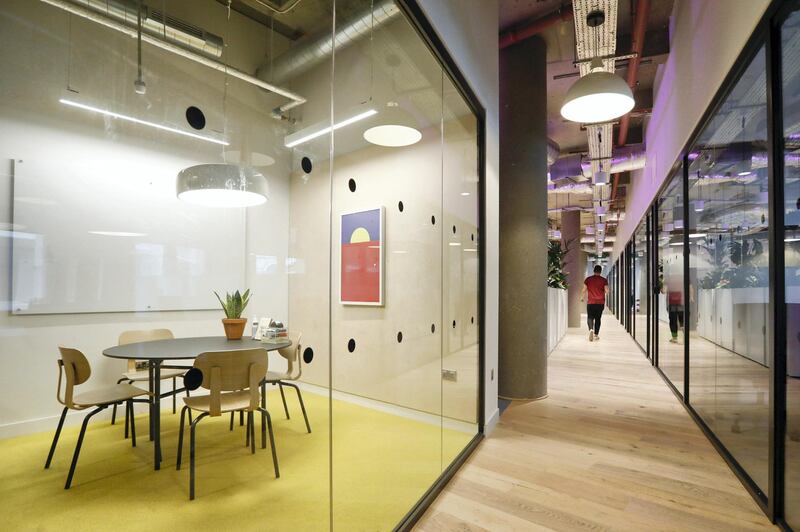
(315, 49)
(637, 45)
(509, 37)
(103, 20)
(623, 159)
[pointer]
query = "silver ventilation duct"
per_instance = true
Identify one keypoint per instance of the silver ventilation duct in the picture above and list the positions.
(158, 24)
(576, 168)
(313, 50)
(101, 17)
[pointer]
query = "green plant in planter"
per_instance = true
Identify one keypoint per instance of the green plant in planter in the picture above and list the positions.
(556, 278)
(234, 304)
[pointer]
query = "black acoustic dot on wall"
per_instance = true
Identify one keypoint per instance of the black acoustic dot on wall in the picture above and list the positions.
(399, 337)
(433, 220)
(433, 328)
(400, 206)
(454, 229)
(195, 117)
(472, 237)
(308, 355)
(351, 184)
(472, 319)
(351, 345)
(306, 165)
(454, 324)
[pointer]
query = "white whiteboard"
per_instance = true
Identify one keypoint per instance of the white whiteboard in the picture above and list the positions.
(97, 228)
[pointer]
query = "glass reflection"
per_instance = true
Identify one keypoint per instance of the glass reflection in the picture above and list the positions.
(640, 286)
(729, 267)
(790, 44)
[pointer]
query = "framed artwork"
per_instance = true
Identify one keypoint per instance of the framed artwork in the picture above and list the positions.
(362, 257)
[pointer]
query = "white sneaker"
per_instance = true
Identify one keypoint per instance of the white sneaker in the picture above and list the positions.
(596, 337)
(591, 336)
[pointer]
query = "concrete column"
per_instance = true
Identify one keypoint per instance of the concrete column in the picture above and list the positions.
(574, 264)
(523, 221)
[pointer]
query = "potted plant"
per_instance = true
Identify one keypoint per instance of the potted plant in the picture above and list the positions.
(233, 306)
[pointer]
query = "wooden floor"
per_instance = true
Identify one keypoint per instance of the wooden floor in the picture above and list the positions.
(609, 449)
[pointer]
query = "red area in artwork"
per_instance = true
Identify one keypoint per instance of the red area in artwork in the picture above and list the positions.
(361, 275)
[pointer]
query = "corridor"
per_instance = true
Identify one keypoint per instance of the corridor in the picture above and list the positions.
(610, 448)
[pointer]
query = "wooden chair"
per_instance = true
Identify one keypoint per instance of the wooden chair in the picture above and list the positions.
(74, 365)
(293, 356)
(134, 375)
(233, 379)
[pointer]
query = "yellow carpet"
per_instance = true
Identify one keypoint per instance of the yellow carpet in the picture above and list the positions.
(382, 464)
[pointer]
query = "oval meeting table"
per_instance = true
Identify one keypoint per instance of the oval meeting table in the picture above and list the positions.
(155, 352)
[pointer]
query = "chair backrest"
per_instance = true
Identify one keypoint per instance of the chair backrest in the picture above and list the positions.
(292, 354)
(228, 371)
(146, 335)
(77, 369)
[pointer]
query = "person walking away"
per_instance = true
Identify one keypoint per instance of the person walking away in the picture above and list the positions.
(596, 287)
(675, 306)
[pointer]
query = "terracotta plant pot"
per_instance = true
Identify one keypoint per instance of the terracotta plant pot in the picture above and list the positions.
(234, 327)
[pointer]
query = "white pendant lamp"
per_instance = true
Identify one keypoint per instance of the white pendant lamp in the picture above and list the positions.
(396, 128)
(599, 96)
(222, 185)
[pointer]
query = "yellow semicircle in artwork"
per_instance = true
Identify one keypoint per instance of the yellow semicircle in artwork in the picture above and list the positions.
(359, 235)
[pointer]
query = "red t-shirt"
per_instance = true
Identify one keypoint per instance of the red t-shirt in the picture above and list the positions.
(596, 286)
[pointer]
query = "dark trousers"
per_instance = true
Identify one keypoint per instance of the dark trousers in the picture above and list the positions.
(675, 318)
(595, 312)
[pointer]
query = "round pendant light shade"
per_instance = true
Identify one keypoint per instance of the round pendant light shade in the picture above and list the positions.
(222, 185)
(396, 128)
(598, 96)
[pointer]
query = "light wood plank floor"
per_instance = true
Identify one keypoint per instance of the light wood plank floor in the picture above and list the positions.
(609, 449)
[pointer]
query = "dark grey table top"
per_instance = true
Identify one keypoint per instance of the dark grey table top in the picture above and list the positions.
(182, 348)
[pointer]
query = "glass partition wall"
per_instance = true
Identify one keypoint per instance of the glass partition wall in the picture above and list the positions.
(723, 230)
(641, 270)
(359, 158)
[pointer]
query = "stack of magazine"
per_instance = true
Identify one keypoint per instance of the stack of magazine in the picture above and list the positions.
(276, 332)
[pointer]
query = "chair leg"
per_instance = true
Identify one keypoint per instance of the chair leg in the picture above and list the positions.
(55, 438)
(265, 413)
(232, 413)
(133, 425)
(241, 418)
(190, 410)
(252, 431)
(247, 437)
(302, 405)
(174, 386)
(191, 454)
(114, 411)
(283, 398)
(127, 423)
(180, 438)
(80, 442)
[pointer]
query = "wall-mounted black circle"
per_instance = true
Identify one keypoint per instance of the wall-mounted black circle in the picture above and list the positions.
(433, 220)
(195, 117)
(454, 229)
(399, 337)
(306, 165)
(351, 184)
(472, 236)
(400, 206)
(192, 379)
(472, 319)
(433, 328)
(454, 324)
(308, 355)
(351, 345)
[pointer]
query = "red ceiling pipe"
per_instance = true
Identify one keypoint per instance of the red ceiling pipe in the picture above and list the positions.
(639, 27)
(563, 14)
